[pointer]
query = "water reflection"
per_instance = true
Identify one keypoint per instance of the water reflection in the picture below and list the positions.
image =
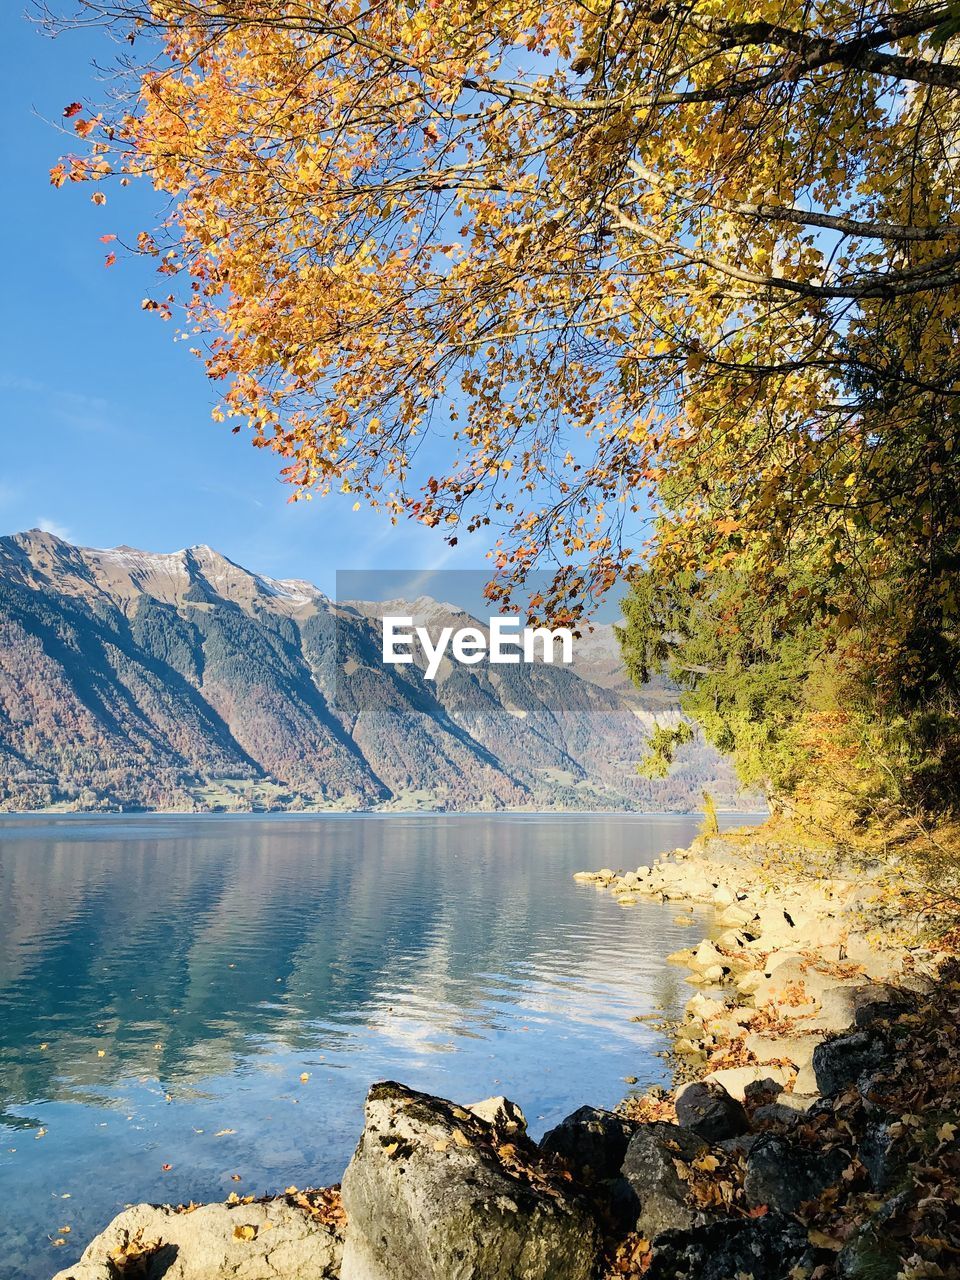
(165, 982)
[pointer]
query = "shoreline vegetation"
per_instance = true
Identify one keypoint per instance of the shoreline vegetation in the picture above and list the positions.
(811, 1133)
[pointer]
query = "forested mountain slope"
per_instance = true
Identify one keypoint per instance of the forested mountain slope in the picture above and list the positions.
(138, 680)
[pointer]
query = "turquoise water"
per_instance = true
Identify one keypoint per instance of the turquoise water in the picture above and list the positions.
(165, 982)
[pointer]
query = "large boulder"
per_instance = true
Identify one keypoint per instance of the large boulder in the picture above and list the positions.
(793, 981)
(709, 1111)
(435, 1193)
(839, 1062)
(766, 1248)
(848, 1005)
(783, 1175)
(797, 1049)
(591, 1143)
(654, 1166)
(736, 1080)
(273, 1240)
(879, 963)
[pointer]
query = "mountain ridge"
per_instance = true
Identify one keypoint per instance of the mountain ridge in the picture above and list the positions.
(182, 680)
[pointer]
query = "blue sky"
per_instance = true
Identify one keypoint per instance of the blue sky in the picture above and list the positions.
(108, 435)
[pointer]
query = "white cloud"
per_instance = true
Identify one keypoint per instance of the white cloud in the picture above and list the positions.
(52, 526)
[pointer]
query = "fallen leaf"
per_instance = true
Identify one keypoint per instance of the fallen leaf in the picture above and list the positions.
(821, 1240)
(246, 1232)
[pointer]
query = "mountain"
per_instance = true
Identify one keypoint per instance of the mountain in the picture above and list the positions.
(130, 679)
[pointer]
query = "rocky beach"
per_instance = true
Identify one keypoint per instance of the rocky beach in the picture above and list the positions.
(812, 1131)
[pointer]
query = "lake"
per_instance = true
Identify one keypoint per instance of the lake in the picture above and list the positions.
(185, 999)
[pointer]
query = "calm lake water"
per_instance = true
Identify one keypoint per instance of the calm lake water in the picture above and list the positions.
(165, 982)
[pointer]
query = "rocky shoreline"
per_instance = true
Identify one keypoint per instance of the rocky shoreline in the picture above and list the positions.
(813, 1132)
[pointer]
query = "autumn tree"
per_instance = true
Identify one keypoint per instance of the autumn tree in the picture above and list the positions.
(688, 266)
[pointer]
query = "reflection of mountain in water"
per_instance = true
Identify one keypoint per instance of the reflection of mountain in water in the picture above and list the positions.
(183, 681)
(195, 943)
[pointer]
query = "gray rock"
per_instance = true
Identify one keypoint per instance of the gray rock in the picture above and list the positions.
(738, 1146)
(806, 1081)
(837, 1063)
(775, 1113)
(859, 1006)
(591, 1143)
(783, 1175)
(504, 1115)
(758, 1092)
(271, 1241)
(736, 1080)
(708, 1110)
(794, 974)
(878, 963)
(798, 1101)
(883, 1153)
(797, 1049)
(766, 1248)
(875, 1092)
(432, 1194)
(662, 1199)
